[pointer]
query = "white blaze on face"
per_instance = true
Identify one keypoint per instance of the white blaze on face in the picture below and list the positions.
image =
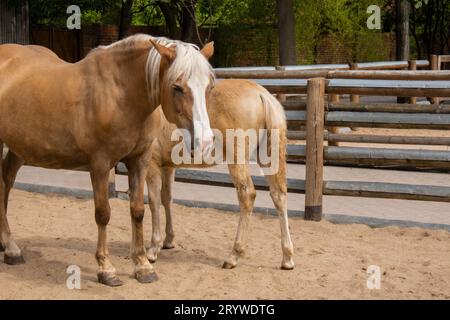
(203, 135)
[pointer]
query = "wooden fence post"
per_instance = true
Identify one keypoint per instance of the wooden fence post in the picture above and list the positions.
(281, 96)
(314, 149)
(412, 65)
(435, 65)
(354, 98)
(333, 98)
(112, 193)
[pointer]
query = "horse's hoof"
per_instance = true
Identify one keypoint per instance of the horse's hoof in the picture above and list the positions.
(14, 260)
(109, 279)
(227, 265)
(152, 257)
(144, 276)
(168, 246)
(287, 266)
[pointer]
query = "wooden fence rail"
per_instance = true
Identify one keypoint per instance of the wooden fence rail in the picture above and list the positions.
(331, 188)
(298, 119)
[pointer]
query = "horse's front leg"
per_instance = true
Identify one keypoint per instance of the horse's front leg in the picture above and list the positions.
(246, 195)
(100, 176)
(137, 170)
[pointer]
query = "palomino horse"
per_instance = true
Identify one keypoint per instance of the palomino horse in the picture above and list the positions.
(232, 104)
(93, 114)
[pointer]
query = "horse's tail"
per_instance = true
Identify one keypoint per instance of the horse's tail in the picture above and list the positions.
(275, 119)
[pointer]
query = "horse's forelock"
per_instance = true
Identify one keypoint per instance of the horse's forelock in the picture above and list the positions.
(189, 63)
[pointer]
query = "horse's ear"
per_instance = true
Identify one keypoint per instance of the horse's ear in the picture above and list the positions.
(164, 51)
(208, 50)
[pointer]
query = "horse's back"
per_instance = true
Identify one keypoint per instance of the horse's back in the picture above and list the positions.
(19, 61)
(37, 109)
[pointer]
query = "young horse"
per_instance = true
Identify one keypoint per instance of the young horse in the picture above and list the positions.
(94, 113)
(232, 104)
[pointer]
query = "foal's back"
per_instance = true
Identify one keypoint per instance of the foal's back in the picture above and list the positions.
(232, 104)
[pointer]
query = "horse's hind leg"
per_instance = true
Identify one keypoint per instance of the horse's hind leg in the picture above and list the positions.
(11, 166)
(13, 255)
(278, 193)
(168, 177)
(246, 195)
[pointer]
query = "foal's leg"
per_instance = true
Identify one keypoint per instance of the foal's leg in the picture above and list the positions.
(13, 255)
(246, 195)
(168, 178)
(137, 169)
(154, 196)
(278, 192)
(106, 272)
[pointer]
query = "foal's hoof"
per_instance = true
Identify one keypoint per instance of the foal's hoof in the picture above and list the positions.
(152, 257)
(228, 265)
(108, 279)
(168, 246)
(14, 260)
(144, 276)
(287, 266)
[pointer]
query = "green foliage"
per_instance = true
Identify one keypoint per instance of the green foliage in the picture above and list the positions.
(344, 21)
(146, 12)
(53, 13)
(252, 24)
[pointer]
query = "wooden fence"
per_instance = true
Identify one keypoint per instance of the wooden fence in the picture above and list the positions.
(316, 153)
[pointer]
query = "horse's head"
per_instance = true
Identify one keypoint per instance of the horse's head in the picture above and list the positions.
(185, 79)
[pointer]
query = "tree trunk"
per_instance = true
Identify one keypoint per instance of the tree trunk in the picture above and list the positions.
(169, 13)
(125, 18)
(286, 31)
(189, 22)
(403, 10)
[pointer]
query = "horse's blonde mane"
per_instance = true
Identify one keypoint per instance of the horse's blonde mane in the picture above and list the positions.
(189, 62)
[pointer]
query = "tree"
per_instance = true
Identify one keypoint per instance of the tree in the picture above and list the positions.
(403, 9)
(188, 20)
(170, 16)
(126, 16)
(286, 32)
(430, 27)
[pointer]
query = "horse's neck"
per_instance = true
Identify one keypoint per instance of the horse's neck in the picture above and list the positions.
(122, 72)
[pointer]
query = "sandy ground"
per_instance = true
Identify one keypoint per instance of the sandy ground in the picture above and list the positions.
(55, 232)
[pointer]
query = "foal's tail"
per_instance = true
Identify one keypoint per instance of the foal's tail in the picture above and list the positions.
(275, 118)
(274, 112)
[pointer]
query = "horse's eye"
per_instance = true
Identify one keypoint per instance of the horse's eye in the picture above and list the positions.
(178, 89)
